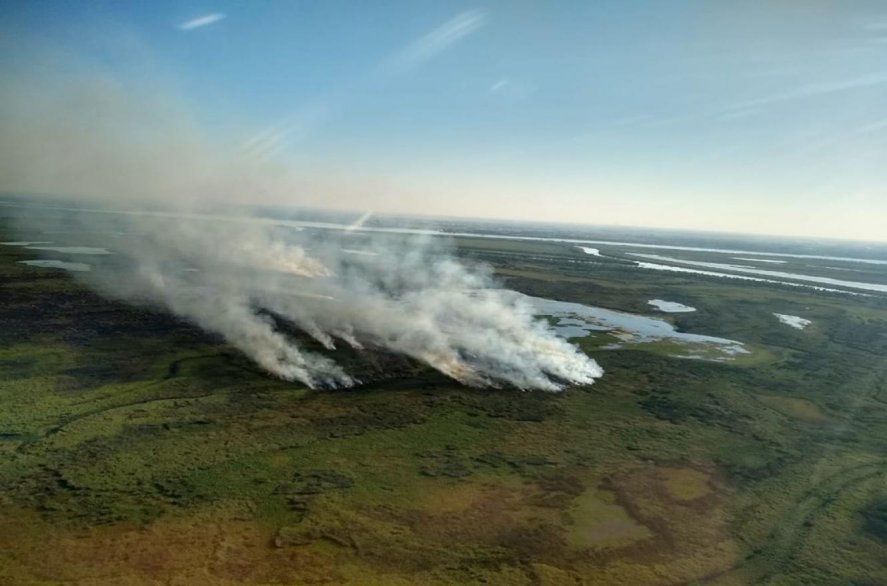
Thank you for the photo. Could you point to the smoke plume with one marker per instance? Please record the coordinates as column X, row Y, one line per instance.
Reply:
column 114, row 147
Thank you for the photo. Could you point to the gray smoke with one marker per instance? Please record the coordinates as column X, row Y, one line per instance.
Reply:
column 240, row 275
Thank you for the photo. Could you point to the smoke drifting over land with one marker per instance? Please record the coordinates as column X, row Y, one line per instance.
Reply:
column 250, row 279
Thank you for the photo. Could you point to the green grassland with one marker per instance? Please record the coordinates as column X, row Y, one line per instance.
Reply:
column 135, row 449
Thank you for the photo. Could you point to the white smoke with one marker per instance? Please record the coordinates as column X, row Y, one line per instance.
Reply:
column 245, row 277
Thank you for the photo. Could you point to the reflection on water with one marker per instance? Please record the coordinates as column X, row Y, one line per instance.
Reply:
column 766, row 260
column 575, row 320
column 72, row 249
column 765, row 272
column 670, row 306
column 675, row 269
column 799, row 323
column 57, row 264
column 591, row 251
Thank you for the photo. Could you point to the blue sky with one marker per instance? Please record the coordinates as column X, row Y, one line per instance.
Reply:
column 708, row 115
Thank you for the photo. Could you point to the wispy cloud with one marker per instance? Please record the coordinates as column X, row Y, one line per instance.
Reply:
column 511, row 89
column 845, row 138
column 876, row 126
column 436, row 42
column 275, row 138
column 812, row 90
column 201, row 21
column 879, row 26
column 500, row 85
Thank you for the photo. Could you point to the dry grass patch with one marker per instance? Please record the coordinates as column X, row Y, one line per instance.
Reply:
column 800, row 409
column 685, row 484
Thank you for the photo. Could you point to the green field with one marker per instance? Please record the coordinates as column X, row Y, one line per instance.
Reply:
column 136, row 449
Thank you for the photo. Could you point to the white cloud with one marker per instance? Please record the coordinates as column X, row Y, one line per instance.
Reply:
column 201, row 21
column 499, row 85
column 508, row 88
column 437, row 41
column 880, row 26
column 276, row 138
column 813, row 90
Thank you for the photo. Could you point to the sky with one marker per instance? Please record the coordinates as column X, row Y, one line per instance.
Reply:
column 764, row 118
